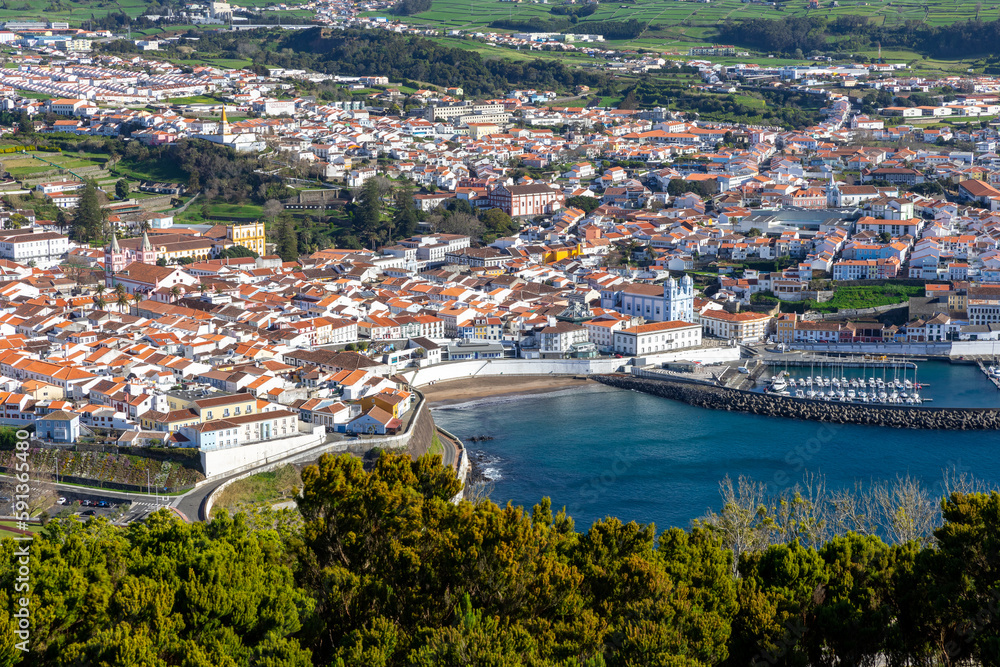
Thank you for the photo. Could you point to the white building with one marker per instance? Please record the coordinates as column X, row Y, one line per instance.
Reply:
column 657, row 337
column 743, row 327
column 275, row 107
column 557, row 340
column 242, row 430
column 674, row 300
column 31, row 245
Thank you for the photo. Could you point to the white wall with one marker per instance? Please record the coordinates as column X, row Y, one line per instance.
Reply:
column 494, row 367
column 708, row 356
column 235, row 459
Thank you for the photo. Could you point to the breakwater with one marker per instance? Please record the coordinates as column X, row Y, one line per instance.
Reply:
column 737, row 400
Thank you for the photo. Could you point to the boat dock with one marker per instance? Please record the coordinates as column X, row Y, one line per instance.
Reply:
column 992, row 378
column 858, row 361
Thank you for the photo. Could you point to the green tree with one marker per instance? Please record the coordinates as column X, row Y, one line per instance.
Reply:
column 217, row 593
column 288, row 242
column 121, row 189
column 89, row 217
column 952, row 595
column 61, row 220
column 497, row 224
column 404, row 219
column 237, row 251
column 367, row 217
column 754, row 232
column 25, row 125
column 586, row 204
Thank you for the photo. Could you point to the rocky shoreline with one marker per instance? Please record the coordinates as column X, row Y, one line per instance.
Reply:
column 737, row 400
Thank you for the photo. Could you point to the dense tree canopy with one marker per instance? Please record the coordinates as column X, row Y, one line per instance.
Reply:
column 359, row 53
column 381, row 568
column 814, row 33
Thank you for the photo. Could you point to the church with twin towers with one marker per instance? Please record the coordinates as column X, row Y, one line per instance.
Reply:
column 670, row 302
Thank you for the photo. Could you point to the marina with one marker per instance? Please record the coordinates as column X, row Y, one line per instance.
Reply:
column 992, row 372
column 878, row 380
column 661, row 460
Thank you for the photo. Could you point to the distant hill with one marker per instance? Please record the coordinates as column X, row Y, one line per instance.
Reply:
column 376, row 52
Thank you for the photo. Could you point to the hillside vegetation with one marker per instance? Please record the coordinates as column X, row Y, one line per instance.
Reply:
column 957, row 40
column 380, row 570
column 360, row 53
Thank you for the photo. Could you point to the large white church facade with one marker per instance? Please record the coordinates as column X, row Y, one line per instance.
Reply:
column 671, row 301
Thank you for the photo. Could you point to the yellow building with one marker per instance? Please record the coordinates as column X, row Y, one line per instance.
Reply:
column 151, row 420
column 785, row 327
column 250, row 235
column 958, row 301
column 42, row 391
column 559, row 254
column 187, row 409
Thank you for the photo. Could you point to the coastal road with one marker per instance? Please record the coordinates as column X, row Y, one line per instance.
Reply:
column 192, row 503
column 449, row 450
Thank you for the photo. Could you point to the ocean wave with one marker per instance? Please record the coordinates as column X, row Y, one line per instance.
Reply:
column 492, row 474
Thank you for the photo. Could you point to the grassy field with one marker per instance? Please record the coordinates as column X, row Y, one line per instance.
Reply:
column 24, row 165
column 194, row 213
column 9, row 528
column 196, row 99
column 675, row 26
column 851, row 298
column 163, row 171
column 267, row 487
column 76, row 12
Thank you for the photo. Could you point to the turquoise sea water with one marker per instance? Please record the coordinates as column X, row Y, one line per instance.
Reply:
column 601, row 451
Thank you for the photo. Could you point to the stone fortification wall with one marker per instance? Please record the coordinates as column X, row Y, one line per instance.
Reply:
column 720, row 398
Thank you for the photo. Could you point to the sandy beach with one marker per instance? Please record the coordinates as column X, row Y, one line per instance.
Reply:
column 460, row 391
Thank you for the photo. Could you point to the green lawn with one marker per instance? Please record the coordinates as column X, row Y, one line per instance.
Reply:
column 193, row 215
column 266, row 487
column 10, row 528
column 195, row 99
column 160, row 171
column 852, row 298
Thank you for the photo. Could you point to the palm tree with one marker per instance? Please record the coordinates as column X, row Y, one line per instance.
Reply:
column 138, row 298
column 100, row 289
column 100, row 302
column 122, row 301
column 120, row 289
column 175, row 292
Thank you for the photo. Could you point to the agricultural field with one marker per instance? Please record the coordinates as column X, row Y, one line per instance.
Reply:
column 678, row 25
column 25, row 165
column 76, row 12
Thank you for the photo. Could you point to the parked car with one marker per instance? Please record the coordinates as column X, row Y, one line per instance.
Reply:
column 61, row 501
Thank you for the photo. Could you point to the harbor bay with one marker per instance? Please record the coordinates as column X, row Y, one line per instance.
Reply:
column 601, row 451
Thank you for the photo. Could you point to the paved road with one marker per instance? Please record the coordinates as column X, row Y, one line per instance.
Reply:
column 191, row 503
column 449, row 451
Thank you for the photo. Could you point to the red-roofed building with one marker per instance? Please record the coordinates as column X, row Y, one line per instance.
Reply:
column 657, row 337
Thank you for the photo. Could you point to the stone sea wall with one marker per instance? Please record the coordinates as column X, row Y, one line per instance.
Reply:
column 735, row 400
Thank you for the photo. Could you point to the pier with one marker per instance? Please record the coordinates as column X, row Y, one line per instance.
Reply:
column 992, row 378
column 703, row 395
column 851, row 361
